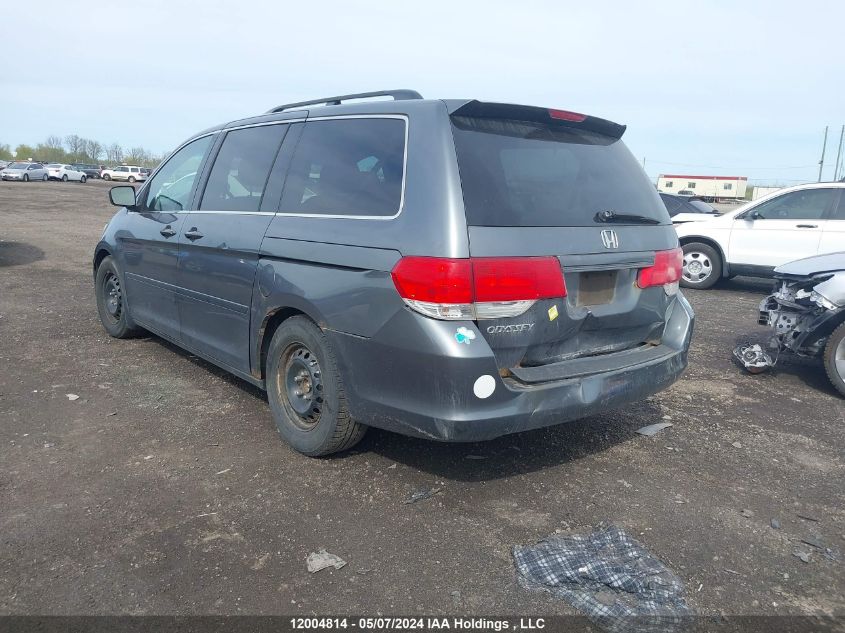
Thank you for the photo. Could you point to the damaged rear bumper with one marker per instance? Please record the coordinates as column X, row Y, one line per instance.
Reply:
column 427, row 385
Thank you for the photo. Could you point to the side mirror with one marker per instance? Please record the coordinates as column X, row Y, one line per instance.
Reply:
column 123, row 196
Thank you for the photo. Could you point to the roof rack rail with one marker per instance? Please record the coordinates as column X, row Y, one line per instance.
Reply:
column 398, row 95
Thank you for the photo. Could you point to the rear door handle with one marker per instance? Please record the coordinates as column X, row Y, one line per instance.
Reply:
column 168, row 231
column 193, row 234
column 807, row 226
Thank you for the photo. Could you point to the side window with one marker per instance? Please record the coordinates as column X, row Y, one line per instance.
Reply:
column 839, row 212
column 347, row 167
column 170, row 190
column 808, row 204
column 237, row 180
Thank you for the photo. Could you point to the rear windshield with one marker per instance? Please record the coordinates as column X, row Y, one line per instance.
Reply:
column 516, row 173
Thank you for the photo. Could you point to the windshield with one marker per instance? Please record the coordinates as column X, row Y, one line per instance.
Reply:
column 18, row 166
column 53, row 166
column 517, row 173
column 703, row 207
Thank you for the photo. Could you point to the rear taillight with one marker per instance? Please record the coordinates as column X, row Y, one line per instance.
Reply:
column 565, row 115
column 666, row 271
column 477, row 288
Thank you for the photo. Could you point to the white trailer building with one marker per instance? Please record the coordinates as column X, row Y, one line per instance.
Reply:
column 708, row 187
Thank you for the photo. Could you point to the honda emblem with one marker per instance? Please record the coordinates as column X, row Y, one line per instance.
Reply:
column 609, row 238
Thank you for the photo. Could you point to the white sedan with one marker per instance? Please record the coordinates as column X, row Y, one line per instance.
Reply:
column 57, row 171
column 786, row 225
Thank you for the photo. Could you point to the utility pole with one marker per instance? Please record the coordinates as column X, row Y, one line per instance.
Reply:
column 824, row 146
column 838, row 154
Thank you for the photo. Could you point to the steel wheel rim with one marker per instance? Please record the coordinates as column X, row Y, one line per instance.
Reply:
column 300, row 384
column 697, row 267
column 113, row 297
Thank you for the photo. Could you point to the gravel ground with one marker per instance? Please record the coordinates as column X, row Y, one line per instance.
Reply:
column 164, row 488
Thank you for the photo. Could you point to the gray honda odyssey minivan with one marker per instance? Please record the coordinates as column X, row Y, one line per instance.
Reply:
column 449, row 269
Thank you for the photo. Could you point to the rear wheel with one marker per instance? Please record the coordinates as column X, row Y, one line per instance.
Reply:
column 26, row 177
column 834, row 358
column 64, row 178
column 132, row 179
column 45, row 178
column 111, row 301
column 106, row 177
column 306, row 393
column 702, row 266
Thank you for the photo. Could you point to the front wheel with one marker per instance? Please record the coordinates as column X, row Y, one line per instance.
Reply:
column 111, row 301
column 702, row 266
column 106, row 177
column 26, row 177
column 132, row 179
column 83, row 179
column 305, row 391
column 834, row 358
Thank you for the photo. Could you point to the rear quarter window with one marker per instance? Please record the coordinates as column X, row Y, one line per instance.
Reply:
column 517, row 173
column 349, row 167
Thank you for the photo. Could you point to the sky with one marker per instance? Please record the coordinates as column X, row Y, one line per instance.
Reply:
column 710, row 87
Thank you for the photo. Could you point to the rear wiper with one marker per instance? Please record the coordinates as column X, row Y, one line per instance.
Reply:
column 612, row 216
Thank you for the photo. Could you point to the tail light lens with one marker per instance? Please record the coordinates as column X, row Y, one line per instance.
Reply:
column 666, row 271
column 477, row 288
column 565, row 115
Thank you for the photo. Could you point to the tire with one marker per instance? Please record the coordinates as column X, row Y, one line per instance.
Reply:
column 64, row 178
column 702, row 266
column 106, row 177
column 316, row 422
column 111, row 302
column 83, row 179
column 45, row 178
column 26, row 177
column 132, row 179
column 834, row 358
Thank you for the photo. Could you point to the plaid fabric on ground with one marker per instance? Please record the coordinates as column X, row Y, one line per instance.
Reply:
column 609, row 576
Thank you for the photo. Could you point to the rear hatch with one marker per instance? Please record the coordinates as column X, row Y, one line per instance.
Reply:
column 548, row 183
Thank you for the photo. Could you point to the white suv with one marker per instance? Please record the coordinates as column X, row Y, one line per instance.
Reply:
column 784, row 226
column 130, row 173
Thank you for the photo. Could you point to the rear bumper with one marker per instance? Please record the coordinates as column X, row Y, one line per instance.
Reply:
column 424, row 383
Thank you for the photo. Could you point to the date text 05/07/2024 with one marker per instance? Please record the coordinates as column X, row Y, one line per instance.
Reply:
column 417, row 624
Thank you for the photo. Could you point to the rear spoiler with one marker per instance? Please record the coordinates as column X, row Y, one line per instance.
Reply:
column 533, row 114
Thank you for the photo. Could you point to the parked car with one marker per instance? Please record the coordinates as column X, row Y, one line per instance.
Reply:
column 57, row 171
column 91, row 171
column 788, row 224
column 24, row 171
column 3, row 164
column 682, row 209
column 688, row 193
column 130, row 173
column 453, row 270
column 807, row 315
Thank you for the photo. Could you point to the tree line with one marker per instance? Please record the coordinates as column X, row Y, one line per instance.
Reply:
column 76, row 149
